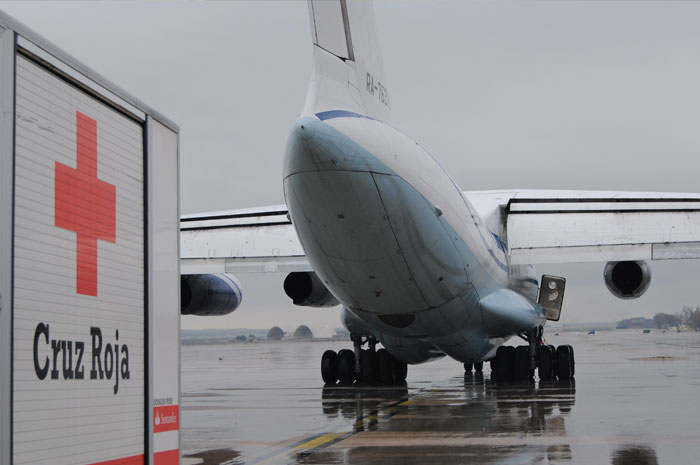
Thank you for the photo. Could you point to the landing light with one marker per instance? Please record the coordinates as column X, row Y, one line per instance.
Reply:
column 552, row 295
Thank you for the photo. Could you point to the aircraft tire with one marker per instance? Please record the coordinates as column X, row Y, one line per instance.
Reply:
column 479, row 367
column 504, row 363
column 329, row 367
column 468, row 367
column 400, row 370
column 368, row 366
column 573, row 361
column 545, row 363
column 511, row 355
column 565, row 362
column 346, row 366
column 385, row 372
column 554, row 360
column 521, row 363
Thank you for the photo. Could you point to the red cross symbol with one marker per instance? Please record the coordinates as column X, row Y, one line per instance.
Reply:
column 85, row 204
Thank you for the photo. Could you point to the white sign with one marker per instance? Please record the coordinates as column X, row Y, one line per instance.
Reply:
column 79, row 283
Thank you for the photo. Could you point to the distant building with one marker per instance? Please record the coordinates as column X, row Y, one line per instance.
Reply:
column 275, row 334
column 303, row 332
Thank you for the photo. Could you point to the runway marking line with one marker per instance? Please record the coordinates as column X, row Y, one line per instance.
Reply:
column 387, row 410
column 319, row 441
column 308, row 446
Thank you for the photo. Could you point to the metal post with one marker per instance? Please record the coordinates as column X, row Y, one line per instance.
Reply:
column 7, row 120
column 357, row 347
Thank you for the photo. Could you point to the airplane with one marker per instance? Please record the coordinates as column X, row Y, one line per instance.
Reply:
column 373, row 223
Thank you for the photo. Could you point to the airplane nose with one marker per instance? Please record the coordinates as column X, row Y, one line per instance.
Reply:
column 314, row 145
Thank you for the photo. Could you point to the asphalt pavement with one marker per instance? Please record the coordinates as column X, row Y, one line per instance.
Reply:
column 634, row 400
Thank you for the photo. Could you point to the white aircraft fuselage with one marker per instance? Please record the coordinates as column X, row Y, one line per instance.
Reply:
column 394, row 239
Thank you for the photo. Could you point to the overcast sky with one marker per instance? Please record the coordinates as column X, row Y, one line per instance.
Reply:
column 551, row 95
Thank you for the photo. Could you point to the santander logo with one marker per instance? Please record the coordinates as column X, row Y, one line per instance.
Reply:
column 165, row 418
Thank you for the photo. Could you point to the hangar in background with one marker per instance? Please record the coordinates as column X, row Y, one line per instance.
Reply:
column 89, row 264
column 303, row 332
column 275, row 334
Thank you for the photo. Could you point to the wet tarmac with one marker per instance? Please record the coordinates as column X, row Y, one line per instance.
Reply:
column 635, row 400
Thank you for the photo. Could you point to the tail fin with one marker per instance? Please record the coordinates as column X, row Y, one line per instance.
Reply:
column 348, row 73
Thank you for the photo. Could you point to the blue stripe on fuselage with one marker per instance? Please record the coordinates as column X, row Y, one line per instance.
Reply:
column 324, row 115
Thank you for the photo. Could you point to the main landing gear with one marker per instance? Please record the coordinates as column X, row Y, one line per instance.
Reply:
column 362, row 366
column 478, row 367
column 519, row 363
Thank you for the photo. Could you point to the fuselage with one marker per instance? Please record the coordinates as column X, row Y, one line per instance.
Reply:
column 392, row 236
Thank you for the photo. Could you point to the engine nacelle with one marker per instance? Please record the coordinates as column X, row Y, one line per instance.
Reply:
column 209, row 294
column 306, row 290
column 627, row 280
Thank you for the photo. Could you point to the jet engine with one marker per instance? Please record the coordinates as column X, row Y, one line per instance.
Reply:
column 627, row 280
column 209, row 294
column 306, row 290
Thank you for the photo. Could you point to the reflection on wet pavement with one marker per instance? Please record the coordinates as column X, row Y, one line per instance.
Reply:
column 634, row 455
column 212, row 456
column 476, row 422
column 632, row 403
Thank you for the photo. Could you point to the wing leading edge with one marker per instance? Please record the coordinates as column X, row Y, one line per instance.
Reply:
column 591, row 226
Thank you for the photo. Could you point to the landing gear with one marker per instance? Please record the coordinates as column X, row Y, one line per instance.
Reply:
column 519, row 363
column 478, row 367
column 346, row 367
column 329, row 367
column 400, row 371
column 565, row 362
column 385, row 372
column 504, row 361
column 366, row 366
column 546, row 358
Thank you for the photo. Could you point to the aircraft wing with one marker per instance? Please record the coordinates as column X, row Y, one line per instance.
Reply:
column 588, row 226
column 253, row 240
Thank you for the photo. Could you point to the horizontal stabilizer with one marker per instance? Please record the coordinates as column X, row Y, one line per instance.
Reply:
column 249, row 240
column 580, row 230
column 592, row 226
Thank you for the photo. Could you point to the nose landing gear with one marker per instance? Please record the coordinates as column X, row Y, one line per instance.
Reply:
column 362, row 366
